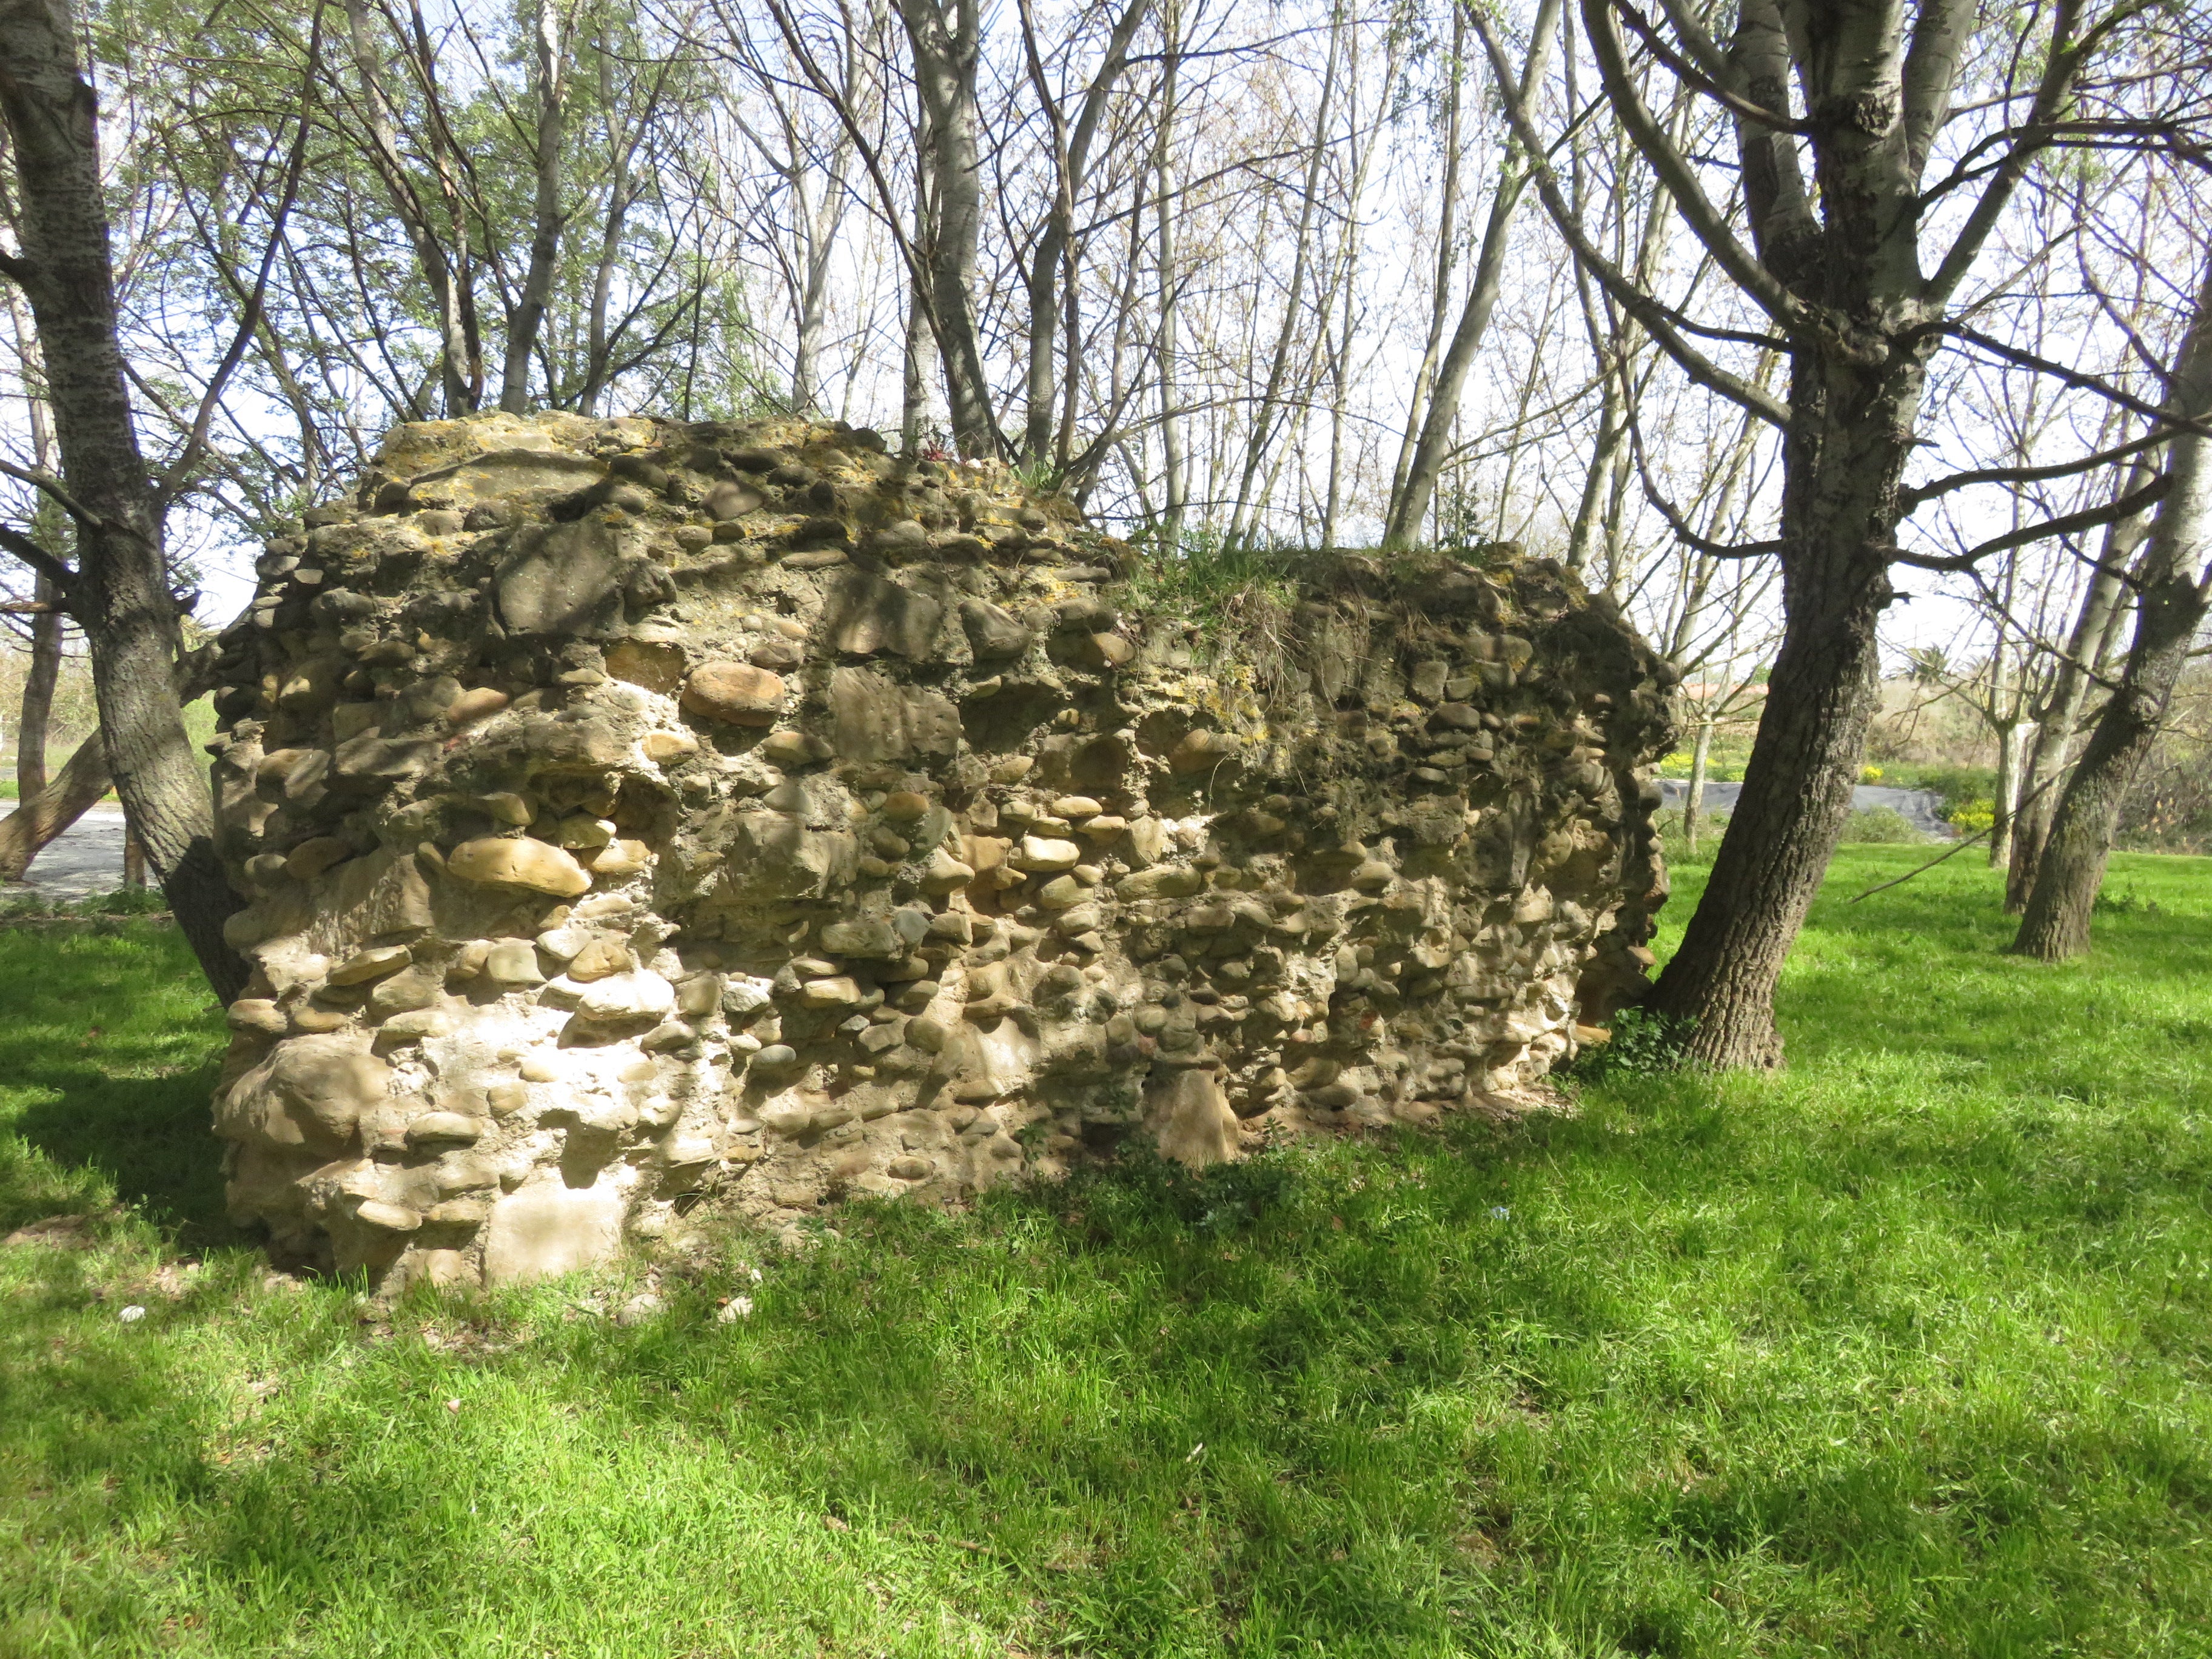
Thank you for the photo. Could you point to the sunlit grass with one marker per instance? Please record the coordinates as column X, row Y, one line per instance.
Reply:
column 1902, row 1350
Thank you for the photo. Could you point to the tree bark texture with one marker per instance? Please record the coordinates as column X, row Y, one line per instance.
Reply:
column 460, row 365
column 120, row 593
column 551, row 83
column 1836, row 266
column 35, row 711
column 67, row 797
column 946, row 40
column 1851, row 431
column 1409, row 502
column 2096, row 629
column 1071, row 165
column 2174, row 587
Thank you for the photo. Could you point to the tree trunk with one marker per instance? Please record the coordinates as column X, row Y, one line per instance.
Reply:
column 1411, row 503
column 459, row 364
column 1447, row 259
column 1852, row 429
column 37, row 820
column 1070, row 159
column 2005, row 805
column 120, row 594
column 2174, row 584
column 550, row 84
column 2095, row 629
column 1259, row 435
column 945, row 53
column 1173, row 486
column 2071, row 869
column 1694, row 803
column 914, row 383
column 41, row 675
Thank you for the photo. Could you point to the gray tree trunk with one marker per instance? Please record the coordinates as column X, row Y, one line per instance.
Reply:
column 1411, row 503
column 460, row 364
column 37, row 819
column 120, row 594
column 549, row 82
column 1174, row 485
column 2174, row 585
column 41, row 674
column 1071, row 164
column 2095, row 634
column 946, row 39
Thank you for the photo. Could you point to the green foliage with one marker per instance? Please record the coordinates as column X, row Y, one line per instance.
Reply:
column 1209, row 579
column 1725, row 764
column 1643, row 1043
column 1673, row 844
column 1956, row 786
column 29, row 903
column 1900, row 1350
column 2127, row 903
column 1972, row 817
column 1880, row 825
column 1234, row 599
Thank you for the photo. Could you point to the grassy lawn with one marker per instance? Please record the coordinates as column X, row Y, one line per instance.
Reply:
column 1903, row 1351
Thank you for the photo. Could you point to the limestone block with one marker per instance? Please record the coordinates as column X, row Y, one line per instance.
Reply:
column 656, row 665
column 868, row 614
column 372, row 963
column 520, row 862
column 1161, row 881
column 620, row 858
column 545, row 1228
column 309, row 1092
column 776, row 855
column 1042, row 853
column 734, row 692
column 318, row 854
column 838, row 991
column 512, row 962
column 382, row 894
column 875, row 718
column 434, row 1127
column 471, row 707
column 561, row 579
column 994, row 634
column 869, row 937
column 639, row 995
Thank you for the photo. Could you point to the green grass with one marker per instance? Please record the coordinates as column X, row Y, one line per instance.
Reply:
column 1902, row 1350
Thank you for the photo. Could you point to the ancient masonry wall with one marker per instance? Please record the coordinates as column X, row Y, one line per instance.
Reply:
column 635, row 813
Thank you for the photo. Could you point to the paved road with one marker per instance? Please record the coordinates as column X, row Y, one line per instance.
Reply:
column 1921, row 808
column 87, row 857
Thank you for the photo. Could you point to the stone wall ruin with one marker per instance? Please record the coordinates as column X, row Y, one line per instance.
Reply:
column 635, row 812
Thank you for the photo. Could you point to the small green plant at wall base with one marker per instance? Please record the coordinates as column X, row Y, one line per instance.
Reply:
column 1643, row 1043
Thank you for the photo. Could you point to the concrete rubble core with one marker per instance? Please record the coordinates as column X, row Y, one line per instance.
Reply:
column 636, row 813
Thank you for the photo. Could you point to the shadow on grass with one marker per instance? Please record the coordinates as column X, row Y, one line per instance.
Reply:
column 1890, row 1353
column 108, row 1057
column 1922, row 970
